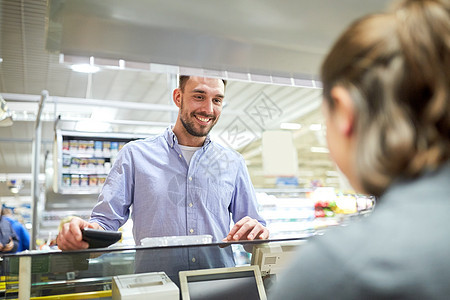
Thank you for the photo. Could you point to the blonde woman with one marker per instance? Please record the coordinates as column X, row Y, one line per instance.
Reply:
column 387, row 108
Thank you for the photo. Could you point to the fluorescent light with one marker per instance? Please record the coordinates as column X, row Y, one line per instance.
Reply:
column 15, row 186
column 85, row 68
column 14, row 190
column 315, row 127
column 290, row 126
column 1, row 60
column 5, row 114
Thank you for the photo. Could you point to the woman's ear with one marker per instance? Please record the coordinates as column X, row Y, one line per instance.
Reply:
column 177, row 97
column 343, row 111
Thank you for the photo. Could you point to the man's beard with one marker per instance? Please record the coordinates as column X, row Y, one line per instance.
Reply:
column 190, row 126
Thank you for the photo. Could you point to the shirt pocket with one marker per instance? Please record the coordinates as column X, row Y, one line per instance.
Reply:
column 218, row 198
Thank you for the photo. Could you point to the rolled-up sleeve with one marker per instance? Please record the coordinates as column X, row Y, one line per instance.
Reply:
column 113, row 207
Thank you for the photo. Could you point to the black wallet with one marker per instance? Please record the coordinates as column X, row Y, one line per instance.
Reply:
column 97, row 238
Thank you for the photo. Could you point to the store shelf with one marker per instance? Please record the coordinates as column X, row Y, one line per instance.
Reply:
column 288, row 213
column 82, row 160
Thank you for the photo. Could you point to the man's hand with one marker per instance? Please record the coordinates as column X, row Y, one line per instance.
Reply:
column 247, row 229
column 70, row 236
column 8, row 247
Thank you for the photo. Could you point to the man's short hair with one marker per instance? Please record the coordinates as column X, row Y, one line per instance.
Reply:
column 184, row 78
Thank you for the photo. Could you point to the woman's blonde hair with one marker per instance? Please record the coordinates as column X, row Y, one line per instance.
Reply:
column 396, row 67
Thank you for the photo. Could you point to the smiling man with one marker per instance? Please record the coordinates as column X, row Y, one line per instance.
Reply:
column 200, row 101
column 179, row 183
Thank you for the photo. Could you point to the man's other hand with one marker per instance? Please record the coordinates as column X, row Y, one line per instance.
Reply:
column 247, row 229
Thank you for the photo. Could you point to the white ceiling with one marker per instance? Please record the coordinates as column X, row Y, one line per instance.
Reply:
column 255, row 44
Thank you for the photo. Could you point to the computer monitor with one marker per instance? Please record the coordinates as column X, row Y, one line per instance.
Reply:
column 236, row 283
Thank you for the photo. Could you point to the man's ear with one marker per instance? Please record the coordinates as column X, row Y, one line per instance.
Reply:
column 344, row 111
column 177, row 97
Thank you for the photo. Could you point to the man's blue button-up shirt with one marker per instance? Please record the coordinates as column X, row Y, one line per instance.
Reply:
column 170, row 198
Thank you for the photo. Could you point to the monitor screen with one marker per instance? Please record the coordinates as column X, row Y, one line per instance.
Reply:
column 222, row 283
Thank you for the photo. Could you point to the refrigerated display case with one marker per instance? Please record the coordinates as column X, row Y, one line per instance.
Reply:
column 297, row 212
column 82, row 160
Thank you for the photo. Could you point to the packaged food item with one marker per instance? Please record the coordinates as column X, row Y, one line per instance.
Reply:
column 74, row 180
column 75, row 164
column 121, row 144
column 92, row 165
column 65, row 145
column 114, row 148
column 107, row 167
column 73, row 146
column 93, row 180
column 101, row 179
column 98, row 148
column 100, row 166
column 82, row 146
column 66, row 180
column 67, row 160
column 84, row 180
column 83, row 167
column 90, row 147
column 106, row 149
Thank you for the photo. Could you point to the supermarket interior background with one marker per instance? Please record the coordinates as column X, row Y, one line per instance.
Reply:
column 270, row 51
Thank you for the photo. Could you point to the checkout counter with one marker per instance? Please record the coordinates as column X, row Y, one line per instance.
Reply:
column 128, row 272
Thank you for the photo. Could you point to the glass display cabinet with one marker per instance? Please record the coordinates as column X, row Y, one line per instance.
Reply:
column 93, row 273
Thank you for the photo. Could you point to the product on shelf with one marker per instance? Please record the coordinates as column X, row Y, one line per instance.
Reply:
column 98, row 148
column 84, row 180
column 73, row 146
column 90, row 147
column 82, row 146
column 101, row 179
column 106, row 149
column 75, row 164
column 67, row 160
column 92, row 165
column 82, row 161
column 66, row 180
column 325, row 209
column 83, row 165
column 100, row 166
column 114, row 148
column 93, row 180
column 74, row 180
column 65, row 146
column 346, row 204
column 107, row 167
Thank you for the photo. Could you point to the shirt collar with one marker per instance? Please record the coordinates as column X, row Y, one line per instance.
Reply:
column 171, row 138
